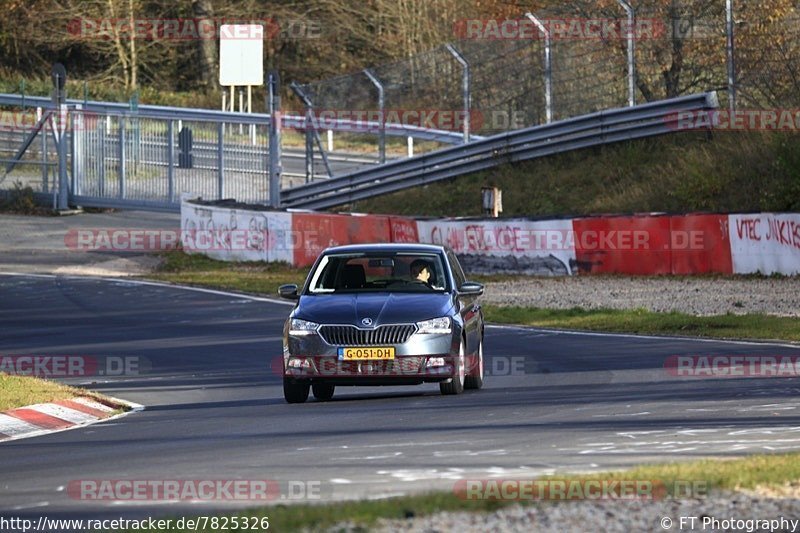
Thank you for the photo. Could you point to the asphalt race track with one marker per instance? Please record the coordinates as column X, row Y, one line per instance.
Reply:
column 214, row 409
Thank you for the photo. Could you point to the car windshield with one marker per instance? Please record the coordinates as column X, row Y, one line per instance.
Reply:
column 379, row 272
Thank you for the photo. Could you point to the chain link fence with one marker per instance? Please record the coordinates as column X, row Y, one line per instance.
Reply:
column 493, row 76
column 679, row 48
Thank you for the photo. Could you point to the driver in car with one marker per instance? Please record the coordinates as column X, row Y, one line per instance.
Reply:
column 421, row 271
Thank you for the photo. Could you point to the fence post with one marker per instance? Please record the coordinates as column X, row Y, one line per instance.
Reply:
column 75, row 127
column 548, row 69
column 631, row 52
column 171, row 160
column 274, row 109
column 122, row 154
column 465, row 87
column 309, row 129
column 59, row 78
column 729, row 29
column 101, row 168
column 220, row 161
column 43, row 135
column 382, row 109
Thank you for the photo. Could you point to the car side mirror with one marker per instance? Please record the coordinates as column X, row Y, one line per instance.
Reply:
column 470, row 288
column 288, row 291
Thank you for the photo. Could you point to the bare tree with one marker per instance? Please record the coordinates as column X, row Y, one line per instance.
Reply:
column 207, row 48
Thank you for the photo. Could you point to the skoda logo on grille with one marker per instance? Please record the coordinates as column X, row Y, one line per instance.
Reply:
column 366, row 321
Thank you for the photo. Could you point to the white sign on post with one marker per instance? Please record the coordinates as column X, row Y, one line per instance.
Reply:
column 241, row 54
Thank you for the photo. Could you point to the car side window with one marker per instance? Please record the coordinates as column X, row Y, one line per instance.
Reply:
column 455, row 267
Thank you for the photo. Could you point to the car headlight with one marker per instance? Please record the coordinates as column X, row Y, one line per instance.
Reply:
column 435, row 325
column 302, row 327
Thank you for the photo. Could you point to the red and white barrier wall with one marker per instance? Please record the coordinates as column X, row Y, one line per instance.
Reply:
column 297, row 238
column 643, row 244
column 765, row 242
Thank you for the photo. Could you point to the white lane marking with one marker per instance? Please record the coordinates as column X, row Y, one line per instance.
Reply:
column 340, row 481
column 469, row 453
column 154, row 284
column 632, row 336
column 710, row 440
column 385, row 495
column 423, row 475
column 496, row 326
column 643, row 413
column 31, row 506
column 14, row 426
column 394, row 444
column 63, row 413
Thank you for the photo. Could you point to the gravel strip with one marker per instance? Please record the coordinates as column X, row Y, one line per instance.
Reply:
column 663, row 515
column 692, row 295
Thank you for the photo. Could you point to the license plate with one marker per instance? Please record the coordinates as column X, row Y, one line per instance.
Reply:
column 371, row 353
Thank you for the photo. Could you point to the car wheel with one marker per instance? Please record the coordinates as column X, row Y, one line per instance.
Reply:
column 295, row 391
column 322, row 391
column 475, row 380
column 456, row 385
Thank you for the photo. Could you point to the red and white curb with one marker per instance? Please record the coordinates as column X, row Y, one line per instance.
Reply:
column 60, row 415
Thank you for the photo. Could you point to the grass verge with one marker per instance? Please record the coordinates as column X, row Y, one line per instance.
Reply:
column 251, row 277
column 727, row 172
column 642, row 321
column 264, row 278
column 705, row 475
column 20, row 391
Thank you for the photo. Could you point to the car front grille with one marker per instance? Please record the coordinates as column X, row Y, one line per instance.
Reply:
column 352, row 336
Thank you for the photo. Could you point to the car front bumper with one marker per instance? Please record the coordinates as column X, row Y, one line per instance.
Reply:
column 423, row 358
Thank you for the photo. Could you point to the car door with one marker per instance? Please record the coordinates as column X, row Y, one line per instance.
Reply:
column 468, row 305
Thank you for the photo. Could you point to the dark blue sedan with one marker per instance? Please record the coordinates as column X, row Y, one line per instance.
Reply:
column 383, row 314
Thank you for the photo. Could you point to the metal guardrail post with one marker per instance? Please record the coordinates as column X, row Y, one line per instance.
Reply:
column 171, row 161
column 45, row 174
column 122, row 155
column 548, row 68
column 274, row 109
column 382, row 109
column 59, row 79
column 74, row 146
column 220, row 161
column 465, row 87
column 729, row 52
column 101, row 171
column 309, row 128
column 63, row 184
column 631, row 52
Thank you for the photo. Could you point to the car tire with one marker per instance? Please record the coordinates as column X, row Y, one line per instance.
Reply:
column 323, row 391
column 456, row 384
column 475, row 380
column 295, row 391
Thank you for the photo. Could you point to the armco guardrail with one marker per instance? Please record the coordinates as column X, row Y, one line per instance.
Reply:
column 603, row 127
column 210, row 115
